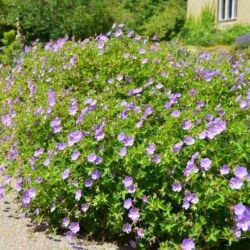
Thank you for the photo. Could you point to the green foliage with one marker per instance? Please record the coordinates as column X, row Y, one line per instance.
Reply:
column 8, row 37
column 49, row 20
column 229, row 35
column 166, row 21
column 52, row 19
column 12, row 47
column 7, row 20
column 200, row 30
column 108, row 83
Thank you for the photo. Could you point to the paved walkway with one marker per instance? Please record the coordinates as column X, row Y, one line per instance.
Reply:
column 18, row 233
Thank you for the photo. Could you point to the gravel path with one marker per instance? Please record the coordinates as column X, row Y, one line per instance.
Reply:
column 18, row 233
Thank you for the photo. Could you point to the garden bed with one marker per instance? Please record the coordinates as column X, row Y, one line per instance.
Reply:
column 129, row 139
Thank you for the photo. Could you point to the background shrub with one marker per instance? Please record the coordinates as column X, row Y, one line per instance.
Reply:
column 243, row 41
column 50, row 20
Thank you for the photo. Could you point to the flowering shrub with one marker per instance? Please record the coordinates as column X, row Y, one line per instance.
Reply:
column 243, row 40
column 130, row 139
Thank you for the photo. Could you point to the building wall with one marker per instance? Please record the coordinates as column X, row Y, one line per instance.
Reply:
column 195, row 7
column 243, row 12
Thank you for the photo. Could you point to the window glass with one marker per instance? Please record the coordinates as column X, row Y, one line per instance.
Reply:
column 230, row 9
column 227, row 10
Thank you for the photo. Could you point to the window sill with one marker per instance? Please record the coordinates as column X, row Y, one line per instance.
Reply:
column 226, row 20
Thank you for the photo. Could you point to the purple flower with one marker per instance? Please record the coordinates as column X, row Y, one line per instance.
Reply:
column 7, row 179
column 82, row 115
column 127, row 203
column 78, row 194
column 189, row 140
column 149, row 110
column 6, row 120
column 240, row 172
column 192, row 92
column 133, row 244
column 46, row 162
column 191, row 197
column 140, row 232
column 156, row 159
column 224, row 170
column 142, row 51
column 144, row 199
column 206, row 164
column 176, row 187
column 56, row 125
column 195, row 156
column 123, row 152
column 18, row 188
column 190, row 168
column 187, row 124
column 39, row 179
column 131, row 188
column 119, row 77
column 65, row 174
column 88, row 182
column 236, row 183
column 168, row 105
column 38, row 152
column 128, row 141
column 203, row 134
column 177, row 147
column 61, row 146
column 1, row 191
column 237, row 232
column 159, row 85
column 75, row 155
column 31, row 192
column 118, row 33
column 73, row 60
column 92, row 157
column 127, row 181
column 130, row 33
column 187, row 244
column 69, row 235
column 126, row 55
column 51, row 97
column 74, row 227
column 25, row 200
column 239, row 209
column 73, row 107
column 99, row 134
column 28, row 195
column 65, row 222
column 96, row 174
column 176, row 113
column 98, row 160
column 127, row 228
column 150, row 149
column 215, row 128
column 85, row 207
column 121, row 136
column 134, row 214
column 75, row 137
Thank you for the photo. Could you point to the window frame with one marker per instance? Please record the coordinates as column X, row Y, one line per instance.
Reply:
column 233, row 10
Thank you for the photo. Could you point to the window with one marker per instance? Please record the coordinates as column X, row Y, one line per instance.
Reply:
column 227, row 10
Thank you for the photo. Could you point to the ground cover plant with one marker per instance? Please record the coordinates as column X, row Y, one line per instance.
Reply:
column 130, row 139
